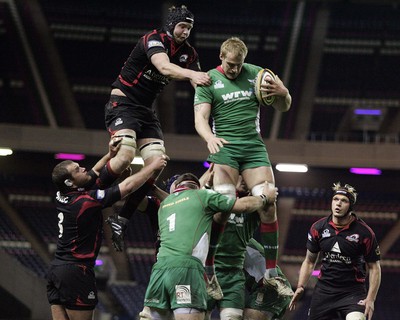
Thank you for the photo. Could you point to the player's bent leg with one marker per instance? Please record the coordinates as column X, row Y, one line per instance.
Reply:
column 226, row 189
column 80, row 314
column 189, row 314
column 58, row 312
column 151, row 147
column 355, row 315
column 208, row 315
column 145, row 314
column 126, row 152
column 231, row 314
column 252, row 314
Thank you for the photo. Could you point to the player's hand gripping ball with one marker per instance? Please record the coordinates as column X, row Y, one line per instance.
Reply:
column 261, row 95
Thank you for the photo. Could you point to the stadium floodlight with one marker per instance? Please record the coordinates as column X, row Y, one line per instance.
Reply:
column 5, row 152
column 291, row 167
column 367, row 171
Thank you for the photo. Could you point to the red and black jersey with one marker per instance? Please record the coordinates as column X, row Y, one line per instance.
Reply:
column 139, row 79
column 345, row 251
column 80, row 223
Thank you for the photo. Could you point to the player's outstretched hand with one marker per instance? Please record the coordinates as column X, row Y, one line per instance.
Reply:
column 160, row 162
column 296, row 297
column 201, row 78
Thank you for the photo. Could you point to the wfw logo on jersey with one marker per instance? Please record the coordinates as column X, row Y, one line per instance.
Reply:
column 237, row 95
column 183, row 294
column 118, row 122
column 218, row 84
column 91, row 295
column 183, row 58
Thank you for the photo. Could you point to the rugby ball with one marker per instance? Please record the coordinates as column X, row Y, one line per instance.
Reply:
column 261, row 95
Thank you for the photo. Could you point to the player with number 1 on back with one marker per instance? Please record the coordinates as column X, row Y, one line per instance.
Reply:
column 235, row 144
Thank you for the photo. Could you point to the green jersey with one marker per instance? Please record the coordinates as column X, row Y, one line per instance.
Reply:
column 185, row 219
column 235, row 108
column 237, row 233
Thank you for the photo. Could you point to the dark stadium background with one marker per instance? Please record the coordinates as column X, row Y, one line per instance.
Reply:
column 58, row 59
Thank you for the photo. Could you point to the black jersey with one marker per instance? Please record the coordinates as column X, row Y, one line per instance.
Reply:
column 80, row 223
column 345, row 252
column 139, row 79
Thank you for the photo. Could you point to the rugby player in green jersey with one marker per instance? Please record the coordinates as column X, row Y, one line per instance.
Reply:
column 177, row 284
column 235, row 144
column 232, row 257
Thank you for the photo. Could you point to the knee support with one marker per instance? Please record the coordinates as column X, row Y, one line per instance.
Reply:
column 227, row 189
column 151, row 149
column 127, row 140
column 257, row 190
column 355, row 315
column 231, row 314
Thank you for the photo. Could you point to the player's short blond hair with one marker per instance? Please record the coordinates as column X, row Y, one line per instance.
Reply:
column 234, row 45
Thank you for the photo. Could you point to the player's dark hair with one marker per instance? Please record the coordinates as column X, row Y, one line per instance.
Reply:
column 60, row 174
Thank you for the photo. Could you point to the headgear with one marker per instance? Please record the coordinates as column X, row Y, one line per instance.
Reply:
column 176, row 15
column 188, row 177
column 168, row 183
column 347, row 191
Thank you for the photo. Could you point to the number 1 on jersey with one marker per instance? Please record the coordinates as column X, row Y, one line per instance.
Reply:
column 171, row 220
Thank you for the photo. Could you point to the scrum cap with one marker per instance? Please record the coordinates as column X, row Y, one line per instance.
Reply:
column 168, row 183
column 187, row 178
column 347, row 190
column 176, row 15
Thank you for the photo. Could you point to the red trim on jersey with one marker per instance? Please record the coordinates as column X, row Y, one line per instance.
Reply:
column 219, row 68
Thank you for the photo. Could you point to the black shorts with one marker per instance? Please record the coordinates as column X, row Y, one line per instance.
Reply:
column 122, row 113
column 332, row 305
column 72, row 286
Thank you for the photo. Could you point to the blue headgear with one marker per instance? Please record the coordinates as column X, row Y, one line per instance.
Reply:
column 168, row 183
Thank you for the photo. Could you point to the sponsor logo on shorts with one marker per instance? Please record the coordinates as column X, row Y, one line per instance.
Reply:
column 118, row 122
column 100, row 194
column 183, row 58
column 154, row 43
column 260, row 297
column 183, row 294
column 91, row 295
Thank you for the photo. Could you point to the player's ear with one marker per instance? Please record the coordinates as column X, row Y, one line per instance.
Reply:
column 68, row 182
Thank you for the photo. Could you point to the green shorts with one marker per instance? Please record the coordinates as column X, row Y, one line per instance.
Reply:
column 242, row 155
column 232, row 285
column 177, row 282
column 263, row 299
